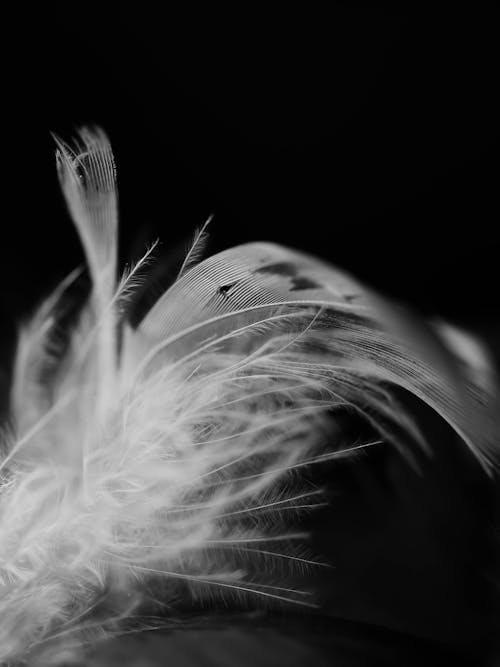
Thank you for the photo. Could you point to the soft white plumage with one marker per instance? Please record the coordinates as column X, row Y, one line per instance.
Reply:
column 168, row 453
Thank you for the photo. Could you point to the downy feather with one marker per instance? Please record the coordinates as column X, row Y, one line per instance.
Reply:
column 166, row 457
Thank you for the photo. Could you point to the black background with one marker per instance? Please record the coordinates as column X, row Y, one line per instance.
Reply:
column 368, row 136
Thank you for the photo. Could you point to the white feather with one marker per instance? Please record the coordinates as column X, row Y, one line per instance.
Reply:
column 169, row 453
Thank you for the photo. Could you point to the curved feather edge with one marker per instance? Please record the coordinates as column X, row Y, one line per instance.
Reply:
column 390, row 342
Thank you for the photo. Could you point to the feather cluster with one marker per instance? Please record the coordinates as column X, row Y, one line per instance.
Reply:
column 149, row 466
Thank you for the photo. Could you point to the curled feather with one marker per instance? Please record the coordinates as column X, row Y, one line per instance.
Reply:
column 165, row 457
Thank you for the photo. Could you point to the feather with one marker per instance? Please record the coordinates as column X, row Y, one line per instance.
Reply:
column 196, row 248
column 155, row 465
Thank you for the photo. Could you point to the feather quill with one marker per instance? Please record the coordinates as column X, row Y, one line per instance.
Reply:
column 164, row 457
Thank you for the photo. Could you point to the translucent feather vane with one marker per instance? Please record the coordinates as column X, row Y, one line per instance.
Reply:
column 152, row 466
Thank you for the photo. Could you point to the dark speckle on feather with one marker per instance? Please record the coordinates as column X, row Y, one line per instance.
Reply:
column 224, row 289
column 302, row 282
column 280, row 268
column 289, row 270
